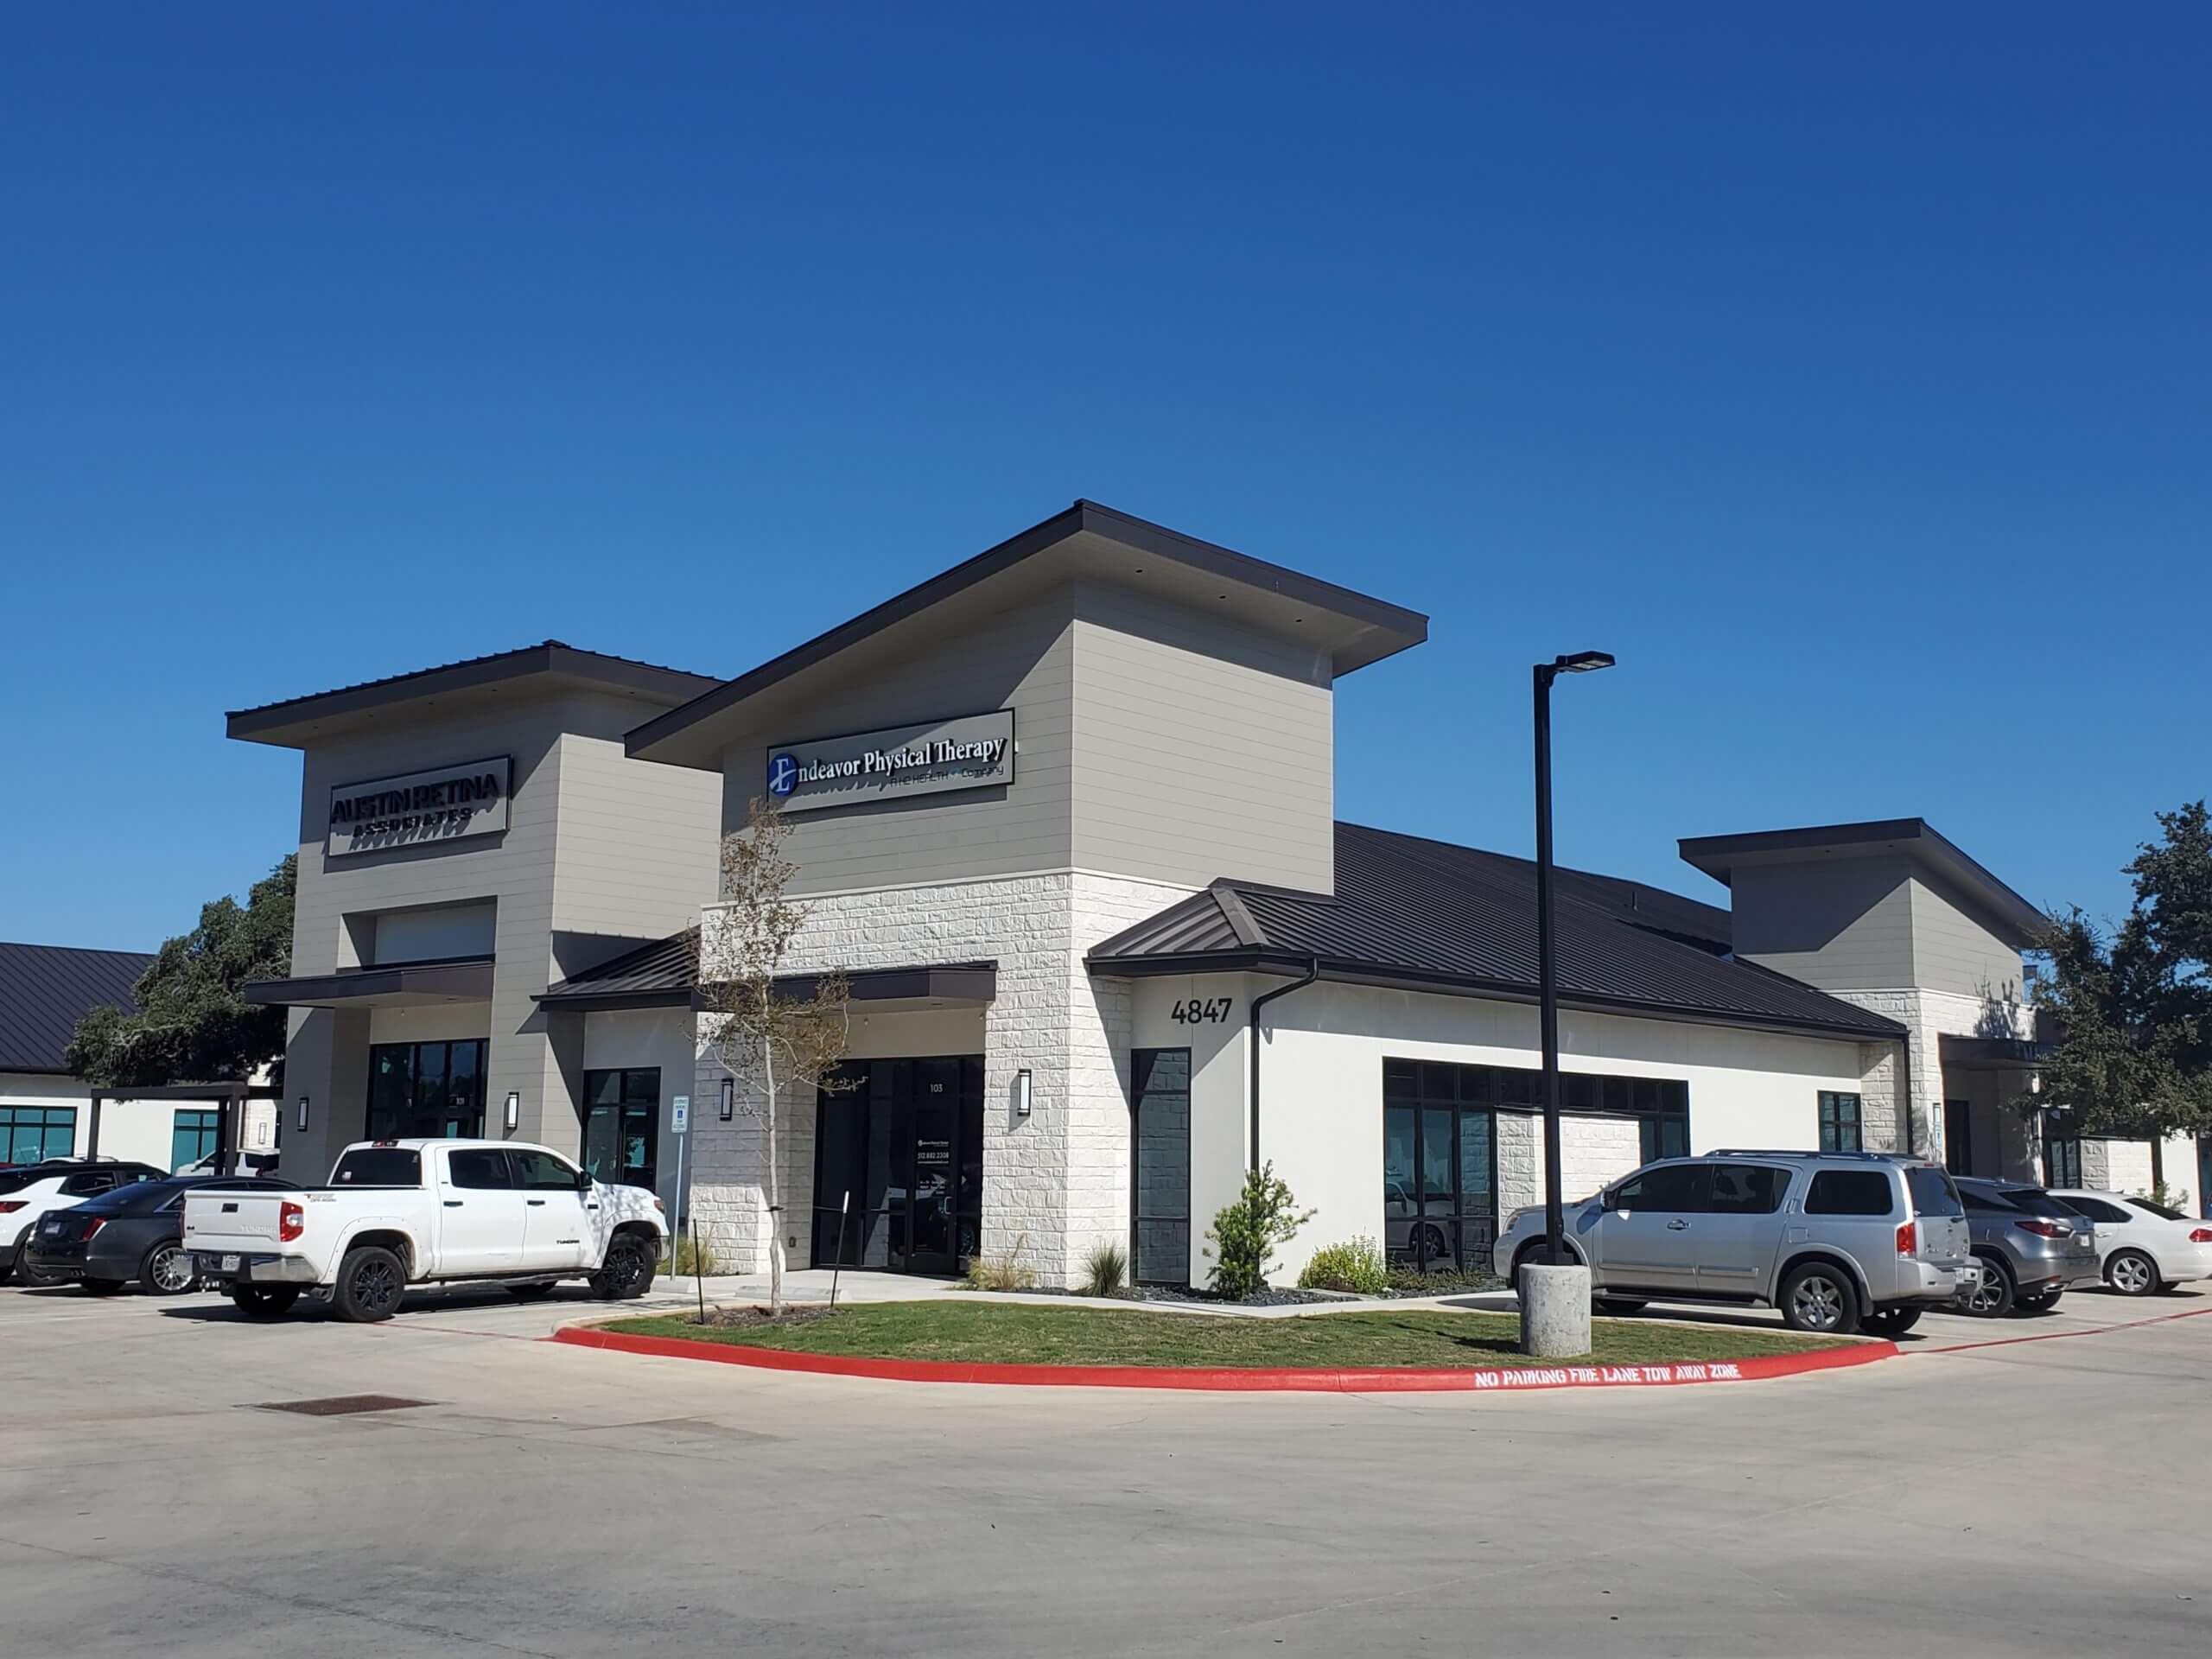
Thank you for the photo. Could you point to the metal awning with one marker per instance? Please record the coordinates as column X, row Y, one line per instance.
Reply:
column 1990, row 1053
column 417, row 985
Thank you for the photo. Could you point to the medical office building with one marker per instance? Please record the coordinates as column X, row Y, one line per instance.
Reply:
column 1064, row 817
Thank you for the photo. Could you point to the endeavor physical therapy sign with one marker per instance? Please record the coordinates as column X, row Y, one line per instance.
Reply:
column 967, row 752
column 446, row 803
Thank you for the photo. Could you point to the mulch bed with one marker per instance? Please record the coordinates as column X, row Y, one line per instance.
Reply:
column 746, row 1318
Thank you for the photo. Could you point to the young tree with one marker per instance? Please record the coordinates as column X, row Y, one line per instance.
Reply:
column 2135, row 1009
column 771, row 1041
column 193, row 1023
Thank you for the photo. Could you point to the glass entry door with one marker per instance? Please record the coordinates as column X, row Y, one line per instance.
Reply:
column 899, row 1165
column 622, row 1126
column 426, row 1090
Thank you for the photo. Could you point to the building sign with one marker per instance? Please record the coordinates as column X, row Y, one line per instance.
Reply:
column 446, row 803
column 967, row 752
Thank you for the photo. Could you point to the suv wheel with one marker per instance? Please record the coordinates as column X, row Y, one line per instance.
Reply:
column 2131, row 1273
column 371, row 1281
column 1992, row 1298
column 1818, row 1297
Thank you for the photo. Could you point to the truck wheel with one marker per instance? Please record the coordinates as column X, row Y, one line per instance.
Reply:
column 168, row 1270
column 370, row 1282
column 264, row 1302
column 628, row 1272
column 1818, row 1297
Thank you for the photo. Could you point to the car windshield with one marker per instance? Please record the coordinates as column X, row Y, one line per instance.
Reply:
column 1932, row 1192
column 2157, row 1209
column 378, row 1166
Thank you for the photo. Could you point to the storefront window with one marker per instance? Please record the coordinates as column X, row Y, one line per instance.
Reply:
column 622, row 1126
column 2062, row 1151
column 1440, row 1148
column 1839, row 1128
column 31, row 1135
column 426, row 1090
column 192, row 1137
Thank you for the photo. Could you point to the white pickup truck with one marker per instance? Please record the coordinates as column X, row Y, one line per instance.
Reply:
column 416, row 1212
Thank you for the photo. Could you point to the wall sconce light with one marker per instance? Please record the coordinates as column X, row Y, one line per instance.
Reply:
column 514, row 1111
column 729, row 1098
column 303, row 1113
column 1022, row 1089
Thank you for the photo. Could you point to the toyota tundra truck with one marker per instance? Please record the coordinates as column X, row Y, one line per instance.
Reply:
column 400, row 1213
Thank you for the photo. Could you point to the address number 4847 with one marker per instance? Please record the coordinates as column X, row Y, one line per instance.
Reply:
column 1201, row 1011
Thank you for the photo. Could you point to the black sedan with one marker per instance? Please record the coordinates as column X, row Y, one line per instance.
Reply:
column 133, row 1233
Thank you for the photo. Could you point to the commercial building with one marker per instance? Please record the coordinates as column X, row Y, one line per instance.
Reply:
column 1064, row 816
column 45, row 989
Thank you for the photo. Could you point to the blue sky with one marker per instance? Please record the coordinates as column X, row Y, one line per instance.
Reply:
column 1847, row 375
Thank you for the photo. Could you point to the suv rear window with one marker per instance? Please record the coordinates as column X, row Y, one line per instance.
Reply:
column 1932, row 1192
column 2037, row 1202
column 378, row 1166
column 1849, row 1192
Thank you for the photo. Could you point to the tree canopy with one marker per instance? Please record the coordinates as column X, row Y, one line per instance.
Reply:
column 192, row 1023
column 2134, row 1003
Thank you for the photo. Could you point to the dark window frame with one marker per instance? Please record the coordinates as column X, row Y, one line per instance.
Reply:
column 650, row 1096
column 411, row 1129
column 1142, row 1063
column 1837, row 1124
column 2062, row 1155
column 203, row 1130
column 16, row 1124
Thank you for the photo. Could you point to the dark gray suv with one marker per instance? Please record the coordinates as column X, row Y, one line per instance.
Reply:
column 2031, row 1247
column 1838, row 1240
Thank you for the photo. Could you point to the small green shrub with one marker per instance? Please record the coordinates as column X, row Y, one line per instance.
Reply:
column 1412, row 1281
column 1106, row 1270
column 1246, row 1235
column 695, row 1255
column 1006, row 1272
column 1356, row 1265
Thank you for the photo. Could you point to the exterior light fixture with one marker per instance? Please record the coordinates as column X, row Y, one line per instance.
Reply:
column 729, row 1098
column 514, row 1110
column 1583, row 662
column 1022, row 1090
column 303, row 1113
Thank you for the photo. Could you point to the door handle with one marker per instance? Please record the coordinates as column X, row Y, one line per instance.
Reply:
column 453, row 1203
column 1678, row 1226
column 537, row 1203
column 591, row 1206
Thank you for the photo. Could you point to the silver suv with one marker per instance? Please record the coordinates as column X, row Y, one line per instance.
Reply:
column 1838, row 1240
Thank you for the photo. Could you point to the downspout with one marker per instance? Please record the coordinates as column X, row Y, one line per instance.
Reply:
column 1312, row 972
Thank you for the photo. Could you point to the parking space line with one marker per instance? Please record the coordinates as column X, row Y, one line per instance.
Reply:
column 2056, row 1336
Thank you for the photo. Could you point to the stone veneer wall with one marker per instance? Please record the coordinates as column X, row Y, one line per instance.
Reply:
column 1928, row 1016
column 1593, row 1151
column 1055, row 1184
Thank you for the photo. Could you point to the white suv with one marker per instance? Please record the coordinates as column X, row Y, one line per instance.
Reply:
column 30, row 1192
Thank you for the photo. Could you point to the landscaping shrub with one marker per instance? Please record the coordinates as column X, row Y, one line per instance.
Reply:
column 1246, row 1235
column 1356, row 1265
column 695, row 1255
column 1106, row 1270
column 1003, row 1272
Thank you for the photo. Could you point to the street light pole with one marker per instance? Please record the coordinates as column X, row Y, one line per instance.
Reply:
column 1547, row 954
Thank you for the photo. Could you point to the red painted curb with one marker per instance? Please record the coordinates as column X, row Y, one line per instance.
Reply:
column 1405, row 1380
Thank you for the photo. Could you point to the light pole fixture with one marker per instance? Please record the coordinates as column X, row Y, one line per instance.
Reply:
column 729, row 1098
column 303, row 1113
column 1582, row 662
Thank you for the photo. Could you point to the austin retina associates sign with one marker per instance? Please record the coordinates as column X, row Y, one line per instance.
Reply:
column 933, row 757
column 444, row 803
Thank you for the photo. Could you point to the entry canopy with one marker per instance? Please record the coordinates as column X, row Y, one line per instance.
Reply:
column 665, row 974
column 1086, row 542
column 419, row 985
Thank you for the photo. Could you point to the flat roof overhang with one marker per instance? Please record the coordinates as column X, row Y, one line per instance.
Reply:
column 419, row 985
column 1878, row 1029
column 1990, row 1053
column 1087, row 541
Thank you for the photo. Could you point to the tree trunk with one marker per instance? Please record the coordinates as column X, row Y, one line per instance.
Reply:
column 775, row 1188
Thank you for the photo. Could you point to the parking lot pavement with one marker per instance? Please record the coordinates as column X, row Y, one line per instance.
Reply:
column 2038, row 1497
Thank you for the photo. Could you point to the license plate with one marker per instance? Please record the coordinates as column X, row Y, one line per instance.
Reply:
column 230, row 1265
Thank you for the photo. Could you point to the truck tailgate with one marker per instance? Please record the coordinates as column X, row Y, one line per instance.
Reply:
column 235, row 1221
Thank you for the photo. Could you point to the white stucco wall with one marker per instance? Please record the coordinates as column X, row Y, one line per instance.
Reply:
column 653, row 1037
column 1321, row 1090
column 139, row 1131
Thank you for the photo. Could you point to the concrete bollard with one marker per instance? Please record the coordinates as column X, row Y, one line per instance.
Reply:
column 1555, row 1310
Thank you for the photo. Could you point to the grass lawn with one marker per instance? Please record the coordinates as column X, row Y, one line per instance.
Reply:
column 1020, row 1333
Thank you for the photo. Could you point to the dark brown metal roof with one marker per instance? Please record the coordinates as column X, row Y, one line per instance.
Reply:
column 1427, row 914
column 45, row 989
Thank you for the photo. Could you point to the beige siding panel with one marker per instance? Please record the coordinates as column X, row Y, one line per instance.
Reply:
column 1200, row 751
column 1021, row 659
column 1842, row 926
column 1953, row 952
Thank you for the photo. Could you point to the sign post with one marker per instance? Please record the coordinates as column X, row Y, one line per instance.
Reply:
column 679, row 1125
